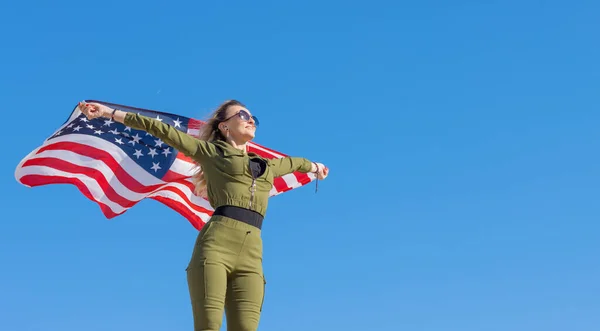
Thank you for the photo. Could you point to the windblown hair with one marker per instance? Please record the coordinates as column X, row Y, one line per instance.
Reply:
column 210, row 132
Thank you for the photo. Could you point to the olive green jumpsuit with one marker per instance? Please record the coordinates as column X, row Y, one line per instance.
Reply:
column 225, row 270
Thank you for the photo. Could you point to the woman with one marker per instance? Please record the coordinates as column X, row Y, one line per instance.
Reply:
column 225, row 270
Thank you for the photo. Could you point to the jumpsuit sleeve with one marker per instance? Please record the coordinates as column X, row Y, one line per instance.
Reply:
column 179, row 140
column 289, row 164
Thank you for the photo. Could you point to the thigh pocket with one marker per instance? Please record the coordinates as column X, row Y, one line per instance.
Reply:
column 207, row 280
column 263, row 295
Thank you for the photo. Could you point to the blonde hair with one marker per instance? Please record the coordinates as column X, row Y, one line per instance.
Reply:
column 209, row 131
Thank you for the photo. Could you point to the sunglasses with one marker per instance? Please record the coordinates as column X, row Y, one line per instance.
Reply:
column 244, row 116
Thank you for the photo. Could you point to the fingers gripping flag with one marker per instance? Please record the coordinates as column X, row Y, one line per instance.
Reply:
column 117, row 166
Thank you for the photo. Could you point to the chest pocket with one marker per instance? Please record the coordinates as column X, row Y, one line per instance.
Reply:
column 232, row 164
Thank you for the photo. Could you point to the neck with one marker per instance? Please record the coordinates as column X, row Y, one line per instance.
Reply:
column 241, row 145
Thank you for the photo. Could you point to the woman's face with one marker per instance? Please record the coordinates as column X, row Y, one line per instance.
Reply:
column 240, row 123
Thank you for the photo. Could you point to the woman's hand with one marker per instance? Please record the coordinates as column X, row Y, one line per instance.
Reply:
column 320, row 170
column 94, row 110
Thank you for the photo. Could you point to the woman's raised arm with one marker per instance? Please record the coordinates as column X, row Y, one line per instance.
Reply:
column 179, row 140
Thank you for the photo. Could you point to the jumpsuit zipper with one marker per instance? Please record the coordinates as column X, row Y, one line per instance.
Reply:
column 252, row 190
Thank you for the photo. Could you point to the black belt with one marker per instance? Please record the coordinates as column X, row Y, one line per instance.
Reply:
column 240, row 214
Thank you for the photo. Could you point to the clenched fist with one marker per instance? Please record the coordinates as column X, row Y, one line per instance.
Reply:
column 94, row 110
column 320, row 170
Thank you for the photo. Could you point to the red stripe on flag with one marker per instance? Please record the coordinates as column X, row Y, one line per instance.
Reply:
column 40, row 180
column 182, row 157
column 267, row 150
column 186, row 183
column 194, row 124
column 103, row 156
column 107, row 189
column 69, row 167
column 280, row 184
column 197, row 208
column 171, row 176
column 302, row 177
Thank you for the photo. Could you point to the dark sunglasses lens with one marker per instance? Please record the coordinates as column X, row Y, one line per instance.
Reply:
column 244, row 115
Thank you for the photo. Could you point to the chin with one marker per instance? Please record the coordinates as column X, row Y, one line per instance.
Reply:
column 249, row 135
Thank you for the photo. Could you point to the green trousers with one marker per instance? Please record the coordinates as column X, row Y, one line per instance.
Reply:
column 225, row 273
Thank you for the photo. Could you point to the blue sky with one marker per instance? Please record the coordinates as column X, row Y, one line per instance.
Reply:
column 462, row 139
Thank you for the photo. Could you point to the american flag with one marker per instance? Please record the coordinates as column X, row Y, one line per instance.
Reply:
column 117, row 166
